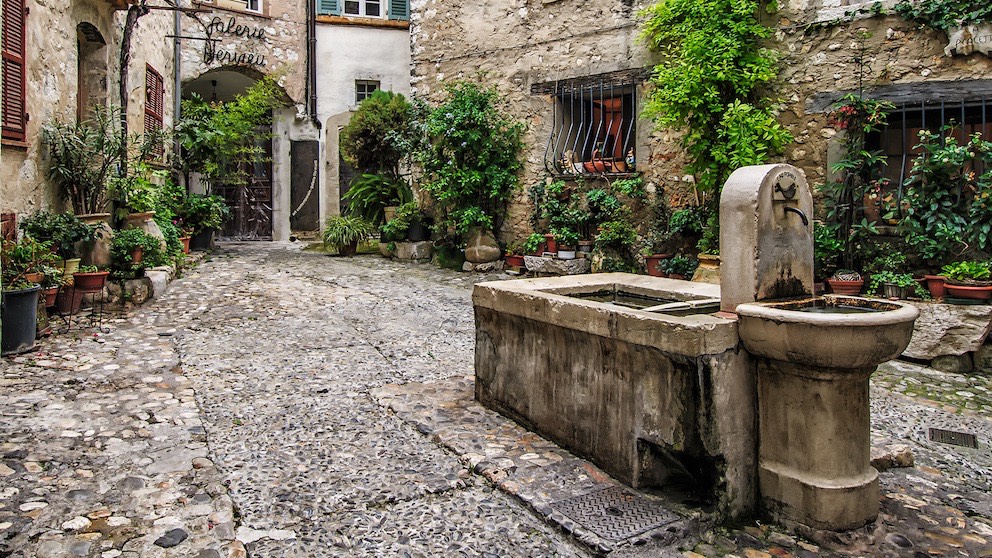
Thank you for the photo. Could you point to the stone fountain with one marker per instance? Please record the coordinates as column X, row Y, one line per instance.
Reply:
column 645, row 376
column 814, row 356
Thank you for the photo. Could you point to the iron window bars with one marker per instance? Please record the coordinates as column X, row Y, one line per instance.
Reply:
column 899, row 139
column 593, row 129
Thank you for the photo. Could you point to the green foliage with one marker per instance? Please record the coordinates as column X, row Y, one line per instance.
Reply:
column 885, row 257
column 943, row 14
column 679, row 265
column 64, row 230
column 565, row 237
column 124, row 243
column 630, row 187
column 85, row 155
column 948, row 210
column 397, row 228
column 859, row 171
column 685, row 221
column 615, row 235
column 23, row 257
column 197, row 213
column 604, row 206
column 223, row 140
column 902, row 280
column 707, row 85
column 967, row 271
column 532, row 243
column 343, row 230
column 137, row 192
column 373, row 140
column 470, row 158
column 370, row 194
column 826, row 250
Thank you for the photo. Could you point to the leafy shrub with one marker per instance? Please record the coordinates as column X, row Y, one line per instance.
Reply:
column 340, row 231
column 124, row 243
column 372, row 141
column 64, row 230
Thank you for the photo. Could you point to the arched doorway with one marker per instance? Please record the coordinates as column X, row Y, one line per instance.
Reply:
column 250, row 199
column 91, row 70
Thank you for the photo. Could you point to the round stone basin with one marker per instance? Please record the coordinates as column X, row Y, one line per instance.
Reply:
column 830, row 331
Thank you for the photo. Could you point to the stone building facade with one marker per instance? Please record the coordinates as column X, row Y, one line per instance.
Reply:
column 71, row 62
column 532, row 51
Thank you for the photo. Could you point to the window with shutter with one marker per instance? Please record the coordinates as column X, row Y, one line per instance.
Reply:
column 399, row 9
column 328, row 7
column 14, row 71
column 154, row 104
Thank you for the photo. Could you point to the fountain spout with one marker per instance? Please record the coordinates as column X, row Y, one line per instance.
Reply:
column 798, row 212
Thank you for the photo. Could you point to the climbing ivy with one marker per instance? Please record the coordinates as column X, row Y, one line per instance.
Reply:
column 943, row 14
column 708, row 85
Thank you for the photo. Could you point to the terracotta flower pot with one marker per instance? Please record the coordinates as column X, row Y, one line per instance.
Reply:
column 651, row 263
column 850, row 288
column 935, row 284
column 36, row 277
column 963, row 291
column 514, row 261
column 136, row 255
column 50, row 295
column 185, row 240
column 90, row 282
column 551, row 245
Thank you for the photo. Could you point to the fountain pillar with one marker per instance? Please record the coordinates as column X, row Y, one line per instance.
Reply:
column 812, row 368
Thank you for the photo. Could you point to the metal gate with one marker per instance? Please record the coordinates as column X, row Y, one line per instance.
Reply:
column 251, row 200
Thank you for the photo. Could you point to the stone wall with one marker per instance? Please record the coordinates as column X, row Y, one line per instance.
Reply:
column 514, row 45
column 52, row 93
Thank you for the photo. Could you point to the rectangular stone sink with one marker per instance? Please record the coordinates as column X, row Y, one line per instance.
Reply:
column 658, row 396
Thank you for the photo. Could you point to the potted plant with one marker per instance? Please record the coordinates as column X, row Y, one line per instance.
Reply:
column 968, row 279
column 202, row 215
column 679, row 267
column 846, row 282
column 891, row 284
column 514, row 256
column 345, row 232
column 89, row 279
column 567, row 240
column 53, row 281
column 534, row 244
column 19, row 303
column 133, row 250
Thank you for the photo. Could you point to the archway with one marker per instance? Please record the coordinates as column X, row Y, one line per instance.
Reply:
column 91, row 70
column 251, row 200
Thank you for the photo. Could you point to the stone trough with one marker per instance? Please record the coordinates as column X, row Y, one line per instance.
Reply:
column 633, row 372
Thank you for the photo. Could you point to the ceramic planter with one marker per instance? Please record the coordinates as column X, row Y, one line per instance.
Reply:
column 202, row 240
column 514, row 261
column 651, row 263
column 550, row 244
column 585, row 246
column 348, row 249
column 90, row 282
column 963, row 291
column 136, row 255
column 850, row 288
column 68, row 301
column 20, row 320
column 50, row 294
column 566, row 254
column 935, row 284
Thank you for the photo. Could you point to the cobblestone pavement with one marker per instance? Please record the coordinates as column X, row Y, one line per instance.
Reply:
column 276, row 402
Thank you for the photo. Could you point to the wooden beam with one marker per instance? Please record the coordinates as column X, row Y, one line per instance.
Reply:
column 916, row 92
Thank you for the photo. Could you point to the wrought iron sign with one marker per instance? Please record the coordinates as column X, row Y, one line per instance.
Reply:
column 214, row 52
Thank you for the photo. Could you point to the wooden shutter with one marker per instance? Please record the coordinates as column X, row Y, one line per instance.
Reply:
column 399, row 9
column 14, row 92
column 329, row 7
column 154, row 103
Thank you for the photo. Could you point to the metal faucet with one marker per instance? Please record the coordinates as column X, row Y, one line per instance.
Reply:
column 798, row 212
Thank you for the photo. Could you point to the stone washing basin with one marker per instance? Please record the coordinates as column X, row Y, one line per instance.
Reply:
column 829, row 332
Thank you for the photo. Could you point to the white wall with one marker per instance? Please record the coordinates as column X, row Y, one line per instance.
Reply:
column 346, row 53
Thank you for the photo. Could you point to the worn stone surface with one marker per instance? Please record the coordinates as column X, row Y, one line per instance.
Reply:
column 553, row 266
column 302, row 397
column 948, row 329
column 482, row 247
column 953, row 363
column 420, row 251
column 983, row 359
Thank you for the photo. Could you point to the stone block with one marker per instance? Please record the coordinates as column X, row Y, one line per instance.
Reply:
column 983, row 359
column 136, row 291
column 948, row 329
column 487, row 267
column 955, row 364
column 482, row 247
column 889, row 456
column 159, row 280
column 414, row 250
column 551, row 266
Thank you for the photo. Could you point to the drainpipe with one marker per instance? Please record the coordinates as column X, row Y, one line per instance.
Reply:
column 177, row 83
column 311, row 62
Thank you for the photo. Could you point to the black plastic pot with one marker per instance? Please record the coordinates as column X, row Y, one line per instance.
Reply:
column 20, row 320
column 419, row 231
column 202, row 240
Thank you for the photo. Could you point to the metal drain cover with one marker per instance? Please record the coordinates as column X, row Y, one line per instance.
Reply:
column 963, row 439
column 615, row 514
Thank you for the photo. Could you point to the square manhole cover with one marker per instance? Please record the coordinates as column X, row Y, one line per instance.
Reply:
column 614, row 513
column 954, row 438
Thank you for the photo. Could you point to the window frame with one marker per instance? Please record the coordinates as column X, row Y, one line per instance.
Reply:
column 246, row 9
column 362, row 8
column 367, row 94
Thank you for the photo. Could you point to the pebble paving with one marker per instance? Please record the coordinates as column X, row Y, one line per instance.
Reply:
column 278, row 402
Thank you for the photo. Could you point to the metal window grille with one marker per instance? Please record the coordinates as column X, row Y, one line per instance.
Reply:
column 899, row 140
column 593, row 128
